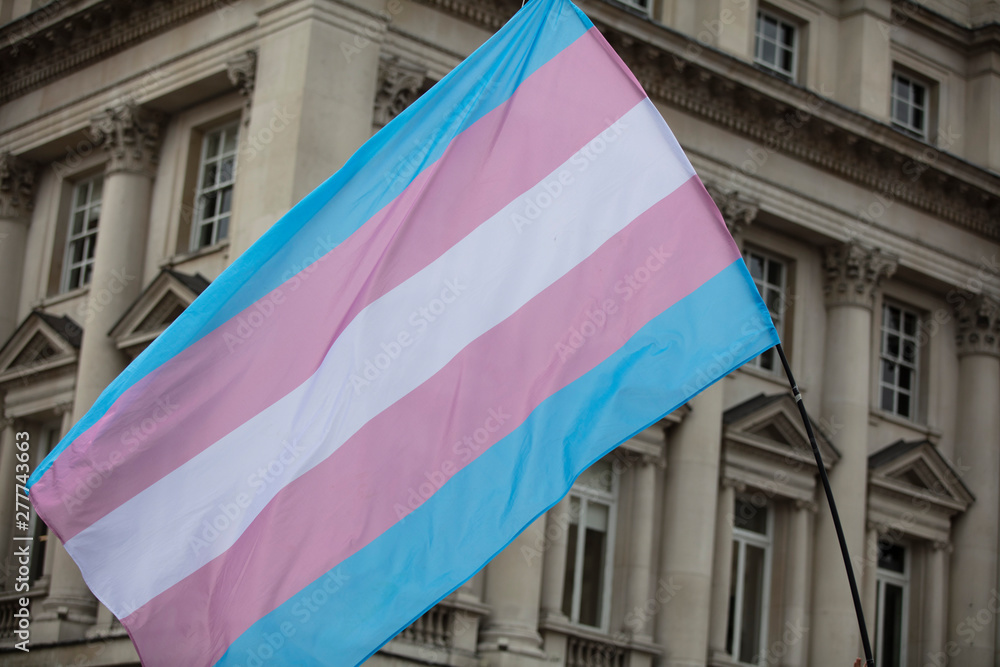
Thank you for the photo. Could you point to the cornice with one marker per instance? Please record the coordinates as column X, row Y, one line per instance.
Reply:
column 782, row 117
column 52, row 42
column 969, row 40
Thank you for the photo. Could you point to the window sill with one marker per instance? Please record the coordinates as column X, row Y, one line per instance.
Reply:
column 771, row 376
column 62, row 297
column 181, row 258
column 876, row 416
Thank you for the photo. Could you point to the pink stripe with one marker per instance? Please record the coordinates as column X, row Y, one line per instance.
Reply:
column 212, row 387
column 359, row 492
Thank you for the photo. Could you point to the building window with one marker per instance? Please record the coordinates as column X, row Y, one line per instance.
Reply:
column 641, row 5
column 892, row 599
column 587, row 589
column 909, row 105
column 769, row 274
column 898, row 363
column 214, row 196
column 78, row 267
column 776, row 45
column 750, row 582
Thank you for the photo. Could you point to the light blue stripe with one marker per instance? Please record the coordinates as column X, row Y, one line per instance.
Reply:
column 345, row 615
column 375, row 175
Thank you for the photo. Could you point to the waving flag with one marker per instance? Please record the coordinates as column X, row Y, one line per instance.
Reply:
column 511, row 278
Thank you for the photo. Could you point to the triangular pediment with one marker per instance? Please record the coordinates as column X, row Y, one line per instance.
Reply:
column 918, row 470
column 157, row 307
column 43, row 342
column 773, row 425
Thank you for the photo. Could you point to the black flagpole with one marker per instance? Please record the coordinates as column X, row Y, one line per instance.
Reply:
column 866, row 644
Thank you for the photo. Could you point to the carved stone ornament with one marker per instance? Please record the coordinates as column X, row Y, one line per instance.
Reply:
column 738, row 210
column 399, row 84
column 130, row 135
column 854, row 273
column 242, row 72
column 17, row 186
column 979, row 326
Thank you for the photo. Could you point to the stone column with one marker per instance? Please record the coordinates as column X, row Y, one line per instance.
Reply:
column 797, row 574
column 130, row 135
column 314, row 84
column 977, row 445
column 556, row 544
column 639, row 573
column 691, row 499
column 17, row 179
column 514, row 592
column 722, row 571
column 853, row 276
column 936, row 605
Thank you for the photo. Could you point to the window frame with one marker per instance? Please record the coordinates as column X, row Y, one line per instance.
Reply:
column 781, row 22
column 200, row 191
column 85, row 235
column 914, row 82
column 741, row 539
column 915, row 367
column 585, row 495
column 779, row 325
column 885, row 577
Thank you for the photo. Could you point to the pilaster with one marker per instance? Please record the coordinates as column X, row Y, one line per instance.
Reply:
column 17, row 191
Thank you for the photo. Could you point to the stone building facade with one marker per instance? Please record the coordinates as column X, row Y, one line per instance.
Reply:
column 853, row 147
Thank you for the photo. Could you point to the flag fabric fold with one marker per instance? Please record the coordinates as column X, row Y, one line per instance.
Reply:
column 514, row 276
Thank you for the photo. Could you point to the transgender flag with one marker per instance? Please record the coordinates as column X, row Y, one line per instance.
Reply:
column 514, row 276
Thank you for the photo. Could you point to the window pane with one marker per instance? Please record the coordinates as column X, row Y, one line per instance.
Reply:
column 208, row 206
column 892, row 626
column 918, row 119
column 910, row 324
column 227, row 200
column 750, row 517
column 210, row 172
column 733, row 580
column 769, row 53
column 886, row 402
column 592, row 586
column 227, row 170
column 87, row 271
column 787, row 35
column 95, row 216
column 230, row 144
column 76, row 252
column 888, row 371
column 903, row 405
column 892, row 346
column 77, row 223
column 918, row 95
column 770, row 28
column 212, row 144
column 205, row 239
column 222, row 227
column 567, row 605
column 775, row 272
column 900, row 88
column 97, row 189
column 756, row 267
column 74, row 279
column 81, row 194
column 767, row 359
column 909, row 351
column 753, row 602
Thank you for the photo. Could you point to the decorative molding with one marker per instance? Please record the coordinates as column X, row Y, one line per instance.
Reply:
column 131, row 136
column 399, row 83
column 979, row 326
column 738, row 210
column 35, row 50
column 804, row 125
column 807, row 505
column 242, row 73
column 854, row 273
column 17, row 186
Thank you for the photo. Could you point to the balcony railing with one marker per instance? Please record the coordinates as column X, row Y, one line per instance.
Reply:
column 584, row 652
column 434, row 628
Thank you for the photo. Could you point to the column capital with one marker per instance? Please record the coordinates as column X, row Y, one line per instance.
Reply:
column 399, row 84
column 131, row 136
column 738, row 210
column 17, row 186
column 735, row 484
column 242, row 73
column 941, row 545
column 806, row 505
column 854, row 272
column 978, row 326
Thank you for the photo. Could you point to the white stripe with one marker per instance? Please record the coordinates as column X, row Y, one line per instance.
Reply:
column 148, row 544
